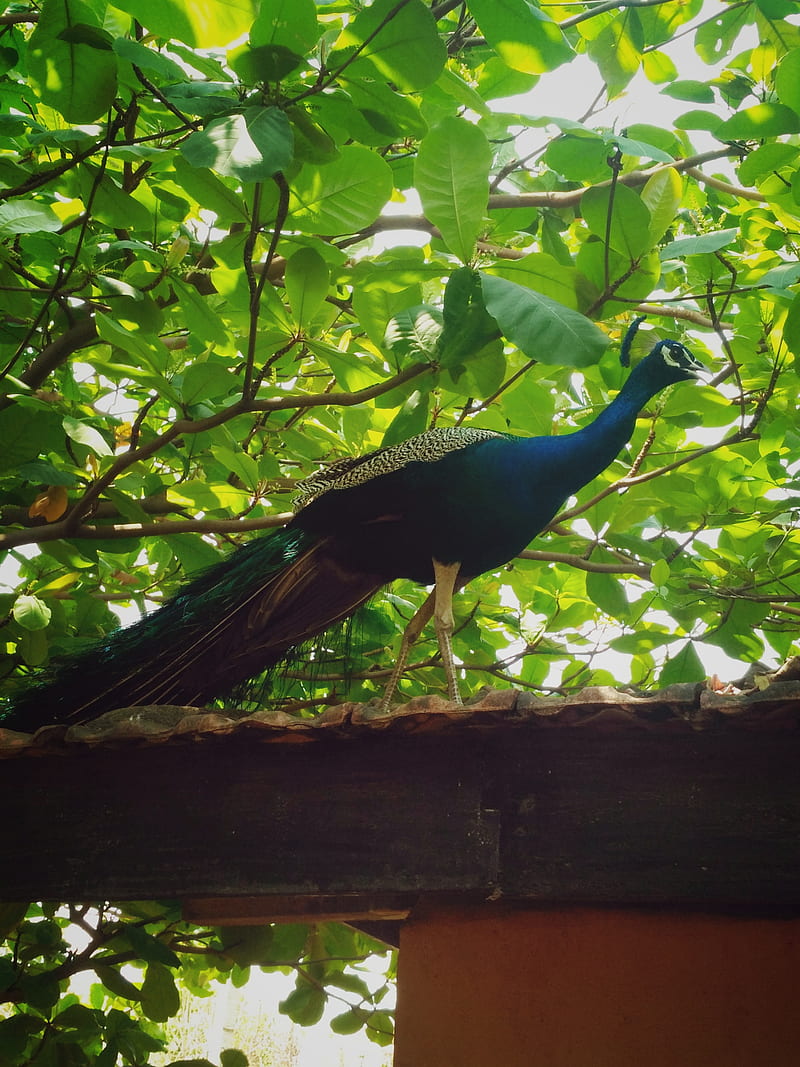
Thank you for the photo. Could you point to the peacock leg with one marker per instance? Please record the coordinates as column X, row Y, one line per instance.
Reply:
column 412, row 631
column 446, row 575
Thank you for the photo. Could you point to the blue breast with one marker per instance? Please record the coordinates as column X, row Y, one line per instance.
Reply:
column 479, row 505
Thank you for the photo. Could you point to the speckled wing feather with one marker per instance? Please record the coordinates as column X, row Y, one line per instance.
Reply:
column 357, row 470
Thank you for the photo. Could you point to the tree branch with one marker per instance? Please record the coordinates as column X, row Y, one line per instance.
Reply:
column 71, row 523
column 641, row 570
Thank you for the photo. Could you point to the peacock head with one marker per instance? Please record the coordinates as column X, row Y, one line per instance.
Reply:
column 669, row 362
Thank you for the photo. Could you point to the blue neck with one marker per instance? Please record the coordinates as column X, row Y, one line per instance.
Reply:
column 588, row 451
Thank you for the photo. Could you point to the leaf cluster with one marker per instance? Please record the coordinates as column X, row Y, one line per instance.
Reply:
column 95, row 985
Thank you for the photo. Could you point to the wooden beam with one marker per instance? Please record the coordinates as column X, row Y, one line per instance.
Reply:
column 604, row 803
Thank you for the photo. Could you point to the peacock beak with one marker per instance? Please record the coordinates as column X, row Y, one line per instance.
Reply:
column 696, row 369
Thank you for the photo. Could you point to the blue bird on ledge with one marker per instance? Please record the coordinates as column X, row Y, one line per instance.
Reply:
column 440, row 508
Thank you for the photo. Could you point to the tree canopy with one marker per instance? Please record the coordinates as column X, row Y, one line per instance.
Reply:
column 242, row 240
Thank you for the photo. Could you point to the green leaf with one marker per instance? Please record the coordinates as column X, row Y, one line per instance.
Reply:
column 452, row 175
column 86, row 435
column 342, row 196
column 31, row 613
column 411, row 419
column 290, row 24
column 11, row 915
column 206, row 25
column 401, row 43
column 524, row 37
column 608, row 594
column 687, row 89
column 632, row 146
column 209, row 190
column 311, row 143
column 391, row 116
column 248, row 945
column 148, row 59
column 206, row 381
column 579, row 156
column 26, row 216
column 135, row 343
column 686, row 666
column 662, row 195
column 658, row 67
column 698, row 120
column 659, row 572
column 289, row 941
column 76, row 78
column 40, row 991
column 758, row 122
column 94, row 36
column 467, row 326
column 233, row 1057
column 14, row 1034
column 160, row 999
column 304, row 1005
column 115, row 982
column 696, row 246
column 267, row 63
column 791, row 326
column 617, row 50
column 252, row 145
column 716, row 36
column 150, row 948
column 766, row 160
column 541, row 328
column 203, row 320
column 350, row 1022
column 414, row 332
column 239, row 463
column 380, row 1028
column 542, row 273
column 630, row 219
column 306, row 279
column 787, row 80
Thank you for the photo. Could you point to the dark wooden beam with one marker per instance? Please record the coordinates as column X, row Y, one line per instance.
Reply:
column 617, row 809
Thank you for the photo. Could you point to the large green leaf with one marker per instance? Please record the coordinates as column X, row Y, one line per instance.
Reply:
column 541, row 328
column 758, row 122
column 159, row 996
column 684, row 666
column 617, row 50
column 467, row 326
column 290, row 24
column 342, row 196
column 662, row 195
column 689, row 89
column 211, row 24
column 703, row 243
column 399, row 42
column 787, row 80
column 252, row 145
column 629, row 233
column 523, row 35
column 31, row 612
column 414, row 333
column 307, row 277
column 715, row 37
column 27, row 216
column 72, row 63
column 542, row 273
column 452, row 175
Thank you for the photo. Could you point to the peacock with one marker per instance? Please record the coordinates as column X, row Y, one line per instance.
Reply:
column 440, row 509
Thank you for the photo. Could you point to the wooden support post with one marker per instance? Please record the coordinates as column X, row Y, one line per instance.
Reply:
column 489, row 985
